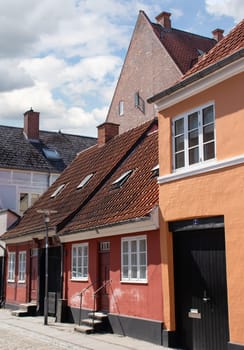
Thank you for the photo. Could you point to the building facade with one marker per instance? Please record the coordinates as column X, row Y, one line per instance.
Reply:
column 201, row 200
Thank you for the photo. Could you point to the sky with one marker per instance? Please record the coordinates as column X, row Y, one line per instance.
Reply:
column 62, row 58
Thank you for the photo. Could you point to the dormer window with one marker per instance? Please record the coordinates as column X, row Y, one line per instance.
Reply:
column 122, row 179
column 57, row 191
column 139, row 102
column 84, row 181
column 121, row 108
column 155, row 171
column 51, row 154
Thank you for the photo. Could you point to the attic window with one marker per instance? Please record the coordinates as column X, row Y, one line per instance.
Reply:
column 200, row 52
column 51, row 154
column 57, row 191
column 122, row 179
column 121, row 108
column 155, row 170
column 139, row 102
column 84, row 181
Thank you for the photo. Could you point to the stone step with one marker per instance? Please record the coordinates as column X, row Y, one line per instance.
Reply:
column 19, row 313
column 97, row 315
column 84, row 329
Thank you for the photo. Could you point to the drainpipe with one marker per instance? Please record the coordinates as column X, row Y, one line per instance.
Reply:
column 2, row 299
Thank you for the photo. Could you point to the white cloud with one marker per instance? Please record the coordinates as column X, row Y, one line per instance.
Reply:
column 232, row 8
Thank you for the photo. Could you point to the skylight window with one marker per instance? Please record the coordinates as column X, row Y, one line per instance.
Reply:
column 51, row 154
column 84, row 181
column 122, row 179
column 57, row 191
column 155, row 170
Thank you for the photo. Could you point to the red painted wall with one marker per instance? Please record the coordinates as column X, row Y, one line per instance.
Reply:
column 131, row 299
column 16, row 292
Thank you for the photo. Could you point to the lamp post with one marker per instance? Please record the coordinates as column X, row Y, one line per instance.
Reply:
column 46, row 214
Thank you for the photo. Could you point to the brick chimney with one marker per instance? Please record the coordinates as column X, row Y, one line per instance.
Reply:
column 218, row 34
column 106, row 132
column 31, row 125
column 164, row 19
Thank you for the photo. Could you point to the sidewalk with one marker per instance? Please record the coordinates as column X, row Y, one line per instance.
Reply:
column 29, row 333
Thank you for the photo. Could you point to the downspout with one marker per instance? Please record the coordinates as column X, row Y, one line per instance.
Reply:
column 2, row 296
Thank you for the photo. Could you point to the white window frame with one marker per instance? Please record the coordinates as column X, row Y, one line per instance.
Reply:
column 79, row 262
column 121, row 108
column 128, row 277
column 186, row 140
column 22, row 266
column 11, row 266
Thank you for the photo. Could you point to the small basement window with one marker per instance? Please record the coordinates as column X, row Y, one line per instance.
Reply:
column 57, row 191
column 122, row 179
column 84, row 181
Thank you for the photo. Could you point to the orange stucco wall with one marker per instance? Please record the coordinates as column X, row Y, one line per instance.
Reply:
column 131, row 299
column 214, row 193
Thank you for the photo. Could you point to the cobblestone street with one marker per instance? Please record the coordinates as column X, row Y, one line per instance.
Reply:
column 29, row 333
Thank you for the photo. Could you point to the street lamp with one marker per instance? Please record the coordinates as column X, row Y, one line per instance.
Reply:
column 46, row 213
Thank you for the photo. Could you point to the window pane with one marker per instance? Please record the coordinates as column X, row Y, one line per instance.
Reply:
column 133, row 246
column 34, row 197
column 208, row 133
column 125, row 259
column 125, row 246
column 179, row 143
column 125, row 271
column 134, row 272
column 179, row 160
column 193, row 155
column 142, row 245
column 193, row 138
column 179, row 126
column 209, row 151
column 133, row 259
column 142, row 259
column 143, row 272
column 193, row 121
column 208, row 116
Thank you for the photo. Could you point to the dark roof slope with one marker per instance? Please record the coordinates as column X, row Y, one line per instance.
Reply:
column 102, row 161
column 183, row 47
column 16, row 152
column 229, row 49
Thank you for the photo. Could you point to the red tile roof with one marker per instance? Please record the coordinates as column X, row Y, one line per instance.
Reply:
column 230, row 44
column 105, row 163
column 182, row 46
column 134, row 199
column 228, row 49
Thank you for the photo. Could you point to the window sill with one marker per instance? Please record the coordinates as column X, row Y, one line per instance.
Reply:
column 79, row 279
column 11, row 281
column 134, row 282
column 201, row 169
column 21, row 282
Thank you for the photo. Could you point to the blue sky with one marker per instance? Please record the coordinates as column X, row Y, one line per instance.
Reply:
column 64, row 61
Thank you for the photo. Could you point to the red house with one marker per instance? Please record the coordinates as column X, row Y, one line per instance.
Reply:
column 103, row 238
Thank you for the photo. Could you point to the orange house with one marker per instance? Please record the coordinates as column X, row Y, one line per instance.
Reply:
column 201, row 146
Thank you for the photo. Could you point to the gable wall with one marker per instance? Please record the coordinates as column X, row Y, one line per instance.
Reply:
column 148, row 69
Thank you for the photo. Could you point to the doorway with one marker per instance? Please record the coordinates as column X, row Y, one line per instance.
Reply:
column 104, row 275
column 200, row 289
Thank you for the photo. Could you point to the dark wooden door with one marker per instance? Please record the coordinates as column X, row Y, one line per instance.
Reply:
column 104, row 274
column 34, row 275
column 200, row 290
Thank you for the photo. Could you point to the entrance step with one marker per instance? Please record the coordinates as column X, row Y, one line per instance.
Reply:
column 96, row 322
column 28, row 309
